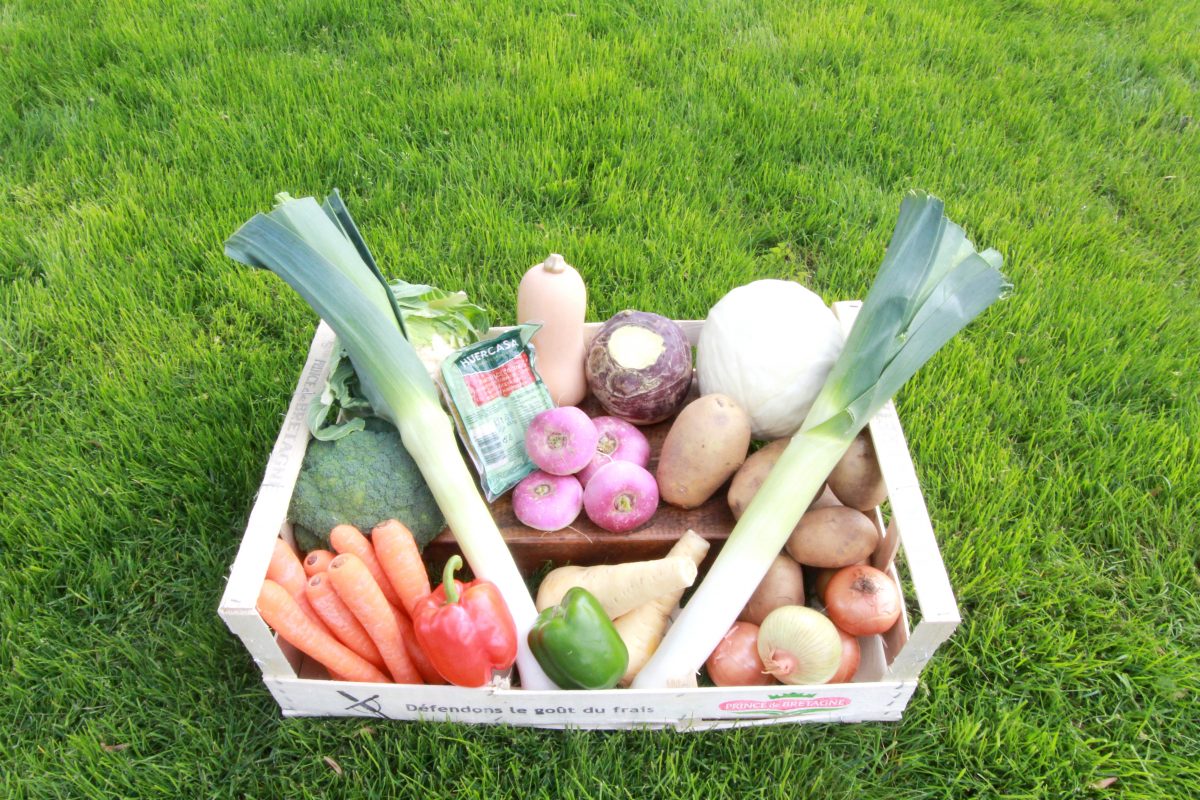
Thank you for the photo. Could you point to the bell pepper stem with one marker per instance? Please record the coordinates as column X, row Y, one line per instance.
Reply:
column 448, row 584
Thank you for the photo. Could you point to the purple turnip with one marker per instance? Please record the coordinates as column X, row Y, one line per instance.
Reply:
column 639, row 367
column 561, row 441
column 547, row 502
column 619, row 441
column 620, row 496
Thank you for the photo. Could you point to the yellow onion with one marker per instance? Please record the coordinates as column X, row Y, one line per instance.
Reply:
column 799, row 645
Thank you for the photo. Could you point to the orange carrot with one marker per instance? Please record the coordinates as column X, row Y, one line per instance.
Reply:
column 349, row 539
column 286, row 570
column 317, row 561
column 340, row 620
column 401, row 561
column 282, row 613
column 356, row 587
column 421, row 661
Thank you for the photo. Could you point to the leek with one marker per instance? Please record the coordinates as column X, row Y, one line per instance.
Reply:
column 436, row 323
column 931, row 284
column 313, row 250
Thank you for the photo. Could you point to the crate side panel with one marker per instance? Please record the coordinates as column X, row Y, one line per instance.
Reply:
column 926, row 638
column 268, row 516
column 690, row 327
column 613, row 708
column 272, row 659
column 910, row 518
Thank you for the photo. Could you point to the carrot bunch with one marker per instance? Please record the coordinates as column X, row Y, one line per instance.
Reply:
column 349, row 611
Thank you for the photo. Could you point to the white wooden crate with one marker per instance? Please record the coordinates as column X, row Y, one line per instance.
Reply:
column 886, row 679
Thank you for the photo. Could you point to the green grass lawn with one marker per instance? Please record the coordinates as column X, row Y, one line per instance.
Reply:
column 672, row 151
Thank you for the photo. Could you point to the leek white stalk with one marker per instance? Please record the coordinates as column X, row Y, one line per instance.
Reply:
column 303, row 248
column 931, row 284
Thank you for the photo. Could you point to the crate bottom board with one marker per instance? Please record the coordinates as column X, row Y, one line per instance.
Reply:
column 687, row 709
column 584, row 545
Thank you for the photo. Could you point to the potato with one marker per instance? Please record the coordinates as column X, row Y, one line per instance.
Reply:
column 783, row 585
column 750, row 477
column 856, row 480
column 751, row 474
column 833, row 537
column 705, row 445
column 825, row 499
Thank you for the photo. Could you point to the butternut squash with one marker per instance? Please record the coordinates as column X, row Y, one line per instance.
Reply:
column 553, row 294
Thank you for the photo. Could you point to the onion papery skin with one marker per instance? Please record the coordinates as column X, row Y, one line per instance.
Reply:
column 799, row 646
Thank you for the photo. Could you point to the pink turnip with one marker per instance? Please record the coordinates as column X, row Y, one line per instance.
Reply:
column 619, row 441
column 547, row 502
column 561, row 441
column 620, row 496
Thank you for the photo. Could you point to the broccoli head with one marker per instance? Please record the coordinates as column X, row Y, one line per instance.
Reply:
column 363, row 478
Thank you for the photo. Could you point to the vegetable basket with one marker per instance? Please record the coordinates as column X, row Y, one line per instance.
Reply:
column 881, row 690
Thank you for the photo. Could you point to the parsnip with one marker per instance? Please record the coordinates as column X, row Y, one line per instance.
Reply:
column 620, row 588
column 644, row 627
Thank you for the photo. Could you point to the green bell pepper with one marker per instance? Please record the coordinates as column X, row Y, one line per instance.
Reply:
column 577, row 645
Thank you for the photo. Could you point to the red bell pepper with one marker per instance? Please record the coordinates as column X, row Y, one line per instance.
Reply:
column 466, row 629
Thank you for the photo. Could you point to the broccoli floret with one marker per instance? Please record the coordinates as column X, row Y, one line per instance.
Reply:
column 362, row 479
